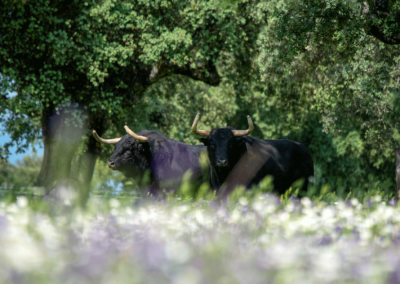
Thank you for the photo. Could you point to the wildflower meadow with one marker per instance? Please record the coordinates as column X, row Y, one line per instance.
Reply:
column 251, row 238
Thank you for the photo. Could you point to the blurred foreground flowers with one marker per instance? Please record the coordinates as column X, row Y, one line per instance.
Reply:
column 251, row 240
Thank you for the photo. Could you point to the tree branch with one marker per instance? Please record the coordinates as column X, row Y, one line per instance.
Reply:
column 207, row 73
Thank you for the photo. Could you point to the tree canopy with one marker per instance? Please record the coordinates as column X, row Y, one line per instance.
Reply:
column 345, row 57
column 93, row 59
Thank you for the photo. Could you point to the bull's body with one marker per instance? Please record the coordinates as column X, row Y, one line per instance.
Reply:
column 292, row 162
column 165, row 159
column 247, row 160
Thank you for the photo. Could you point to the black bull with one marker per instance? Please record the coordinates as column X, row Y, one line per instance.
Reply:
column 166, row 160
column 237, row 159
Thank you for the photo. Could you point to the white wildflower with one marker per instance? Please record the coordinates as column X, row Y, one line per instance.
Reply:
column 235, row 216
column 22, row 201
column 114, row 203
column 12, row 208
column 306, row 202
column 290, row 207
column 178, row 251
column 243, row 201
column 354, row 201
column 376, row 198
column 188, row 275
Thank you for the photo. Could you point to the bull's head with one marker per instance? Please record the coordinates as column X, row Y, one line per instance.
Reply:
column 223, row 144
column 131, row 155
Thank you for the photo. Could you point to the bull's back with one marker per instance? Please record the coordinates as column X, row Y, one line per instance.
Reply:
column 183, row 158
column 292, row 162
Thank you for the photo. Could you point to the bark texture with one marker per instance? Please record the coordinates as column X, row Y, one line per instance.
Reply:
column 61, row 137
column 87, row 161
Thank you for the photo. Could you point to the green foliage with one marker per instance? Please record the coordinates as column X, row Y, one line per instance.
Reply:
column 324, row 49
column 350, row 145
column 23, row 174
column 300, row 24
column 102, row 55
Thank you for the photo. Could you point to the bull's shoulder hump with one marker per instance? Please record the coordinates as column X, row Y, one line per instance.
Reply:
column 281, row 141
column 152, row 134
column 252, row 139
column 287, row 144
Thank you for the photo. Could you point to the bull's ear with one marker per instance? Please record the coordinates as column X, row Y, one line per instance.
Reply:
column 242, row 142
column 204, row 141
column 239, row 141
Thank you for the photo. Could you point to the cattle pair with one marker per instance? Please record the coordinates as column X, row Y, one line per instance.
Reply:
column 234, row 158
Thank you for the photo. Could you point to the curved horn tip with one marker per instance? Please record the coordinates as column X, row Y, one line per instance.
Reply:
column 194, row 127
column 139, row 138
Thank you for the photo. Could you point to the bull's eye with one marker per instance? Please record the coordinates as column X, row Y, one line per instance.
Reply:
column 127, row 153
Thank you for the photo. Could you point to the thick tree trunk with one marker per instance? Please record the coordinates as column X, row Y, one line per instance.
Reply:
column 398, row 172
column 46, row 169
column 60, row 139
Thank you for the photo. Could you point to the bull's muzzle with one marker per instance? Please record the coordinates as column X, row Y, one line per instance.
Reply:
column 111, row 165
column 222, row 163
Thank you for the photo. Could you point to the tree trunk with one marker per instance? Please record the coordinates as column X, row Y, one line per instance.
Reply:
column 61, row 135
column 86, row 166
column 88, row 160
column 46, row 169
column 398, row 172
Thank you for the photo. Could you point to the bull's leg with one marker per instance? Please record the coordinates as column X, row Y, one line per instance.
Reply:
column 153, row 189
column 304, row 188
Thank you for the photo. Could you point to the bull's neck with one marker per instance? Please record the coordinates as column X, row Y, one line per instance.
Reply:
column 223, row 174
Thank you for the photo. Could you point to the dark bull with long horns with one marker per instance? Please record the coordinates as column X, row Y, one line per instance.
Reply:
column 238, row 159
column 166, row 160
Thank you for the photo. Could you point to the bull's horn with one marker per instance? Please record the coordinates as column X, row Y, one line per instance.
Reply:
column 141, row 139
column 105, row 141
column 245, row 132
column 199, row 132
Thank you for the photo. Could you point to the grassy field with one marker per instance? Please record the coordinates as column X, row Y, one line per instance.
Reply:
column 255, row 237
